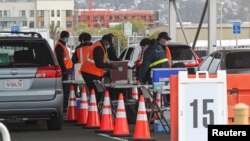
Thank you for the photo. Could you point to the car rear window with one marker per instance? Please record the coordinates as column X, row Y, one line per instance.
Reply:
column 181, row 53
column 25, row 54
column 238, row 60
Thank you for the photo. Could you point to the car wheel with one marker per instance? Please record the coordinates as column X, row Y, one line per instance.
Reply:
column 55, row 122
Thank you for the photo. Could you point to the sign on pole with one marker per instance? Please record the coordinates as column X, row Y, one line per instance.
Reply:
column 128, row 29
column 14, row 29
column 236, row 28
column 202, row 101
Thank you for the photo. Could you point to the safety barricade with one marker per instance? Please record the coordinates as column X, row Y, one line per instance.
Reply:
column 238, row 91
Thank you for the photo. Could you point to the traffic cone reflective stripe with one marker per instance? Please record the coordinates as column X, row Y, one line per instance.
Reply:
column 121, row 124
column 135, row 93
column 93, row 116
column 107, row 122
column 141, row 116
column 84, row 104
column 92, row 107
column 83, row 112
column 72, row 110
column 121, row 113
column 158, row 99
column 142, row 123
column 106, row 110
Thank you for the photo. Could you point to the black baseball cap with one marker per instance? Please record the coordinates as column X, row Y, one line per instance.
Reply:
column 164, row 35
column 64, row 34
column 107, row 37
column 84, row 36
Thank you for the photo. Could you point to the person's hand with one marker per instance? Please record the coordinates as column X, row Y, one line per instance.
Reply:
column 138, row 82
column 113, row 66
column 65, row 75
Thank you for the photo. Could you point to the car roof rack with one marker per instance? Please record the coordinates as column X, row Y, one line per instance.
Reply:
column 33, row 34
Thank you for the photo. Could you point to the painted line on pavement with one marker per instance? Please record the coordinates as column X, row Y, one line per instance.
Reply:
column 115, row 138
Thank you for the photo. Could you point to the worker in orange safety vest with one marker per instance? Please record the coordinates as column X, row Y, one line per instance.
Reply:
column 95, row 65
column 82, row 50
column 63, row 56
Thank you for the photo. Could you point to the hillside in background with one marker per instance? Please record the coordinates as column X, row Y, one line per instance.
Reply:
column 190, row 10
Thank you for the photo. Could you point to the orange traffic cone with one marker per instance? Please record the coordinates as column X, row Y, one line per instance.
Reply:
column 83, row 111
column 142, row 131
column 158, row 99
column 107, row 122
column 121, row 124
column 72, row 110
column 93, row 116
column 135, row 93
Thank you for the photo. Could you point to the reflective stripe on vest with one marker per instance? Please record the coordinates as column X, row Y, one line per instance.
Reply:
column 67, row 61
column 168, row 55
column 82, row 57
column 158, row 62
column 89, row 65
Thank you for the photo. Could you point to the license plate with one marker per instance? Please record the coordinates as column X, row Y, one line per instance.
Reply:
column 13, row 84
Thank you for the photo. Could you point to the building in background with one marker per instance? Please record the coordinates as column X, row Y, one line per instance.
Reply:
column 104, row 18
column 17, row 13
column 37, row 13
column 57, row 12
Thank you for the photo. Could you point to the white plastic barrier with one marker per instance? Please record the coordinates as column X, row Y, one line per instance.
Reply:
column 202, row 101
column 5, row 132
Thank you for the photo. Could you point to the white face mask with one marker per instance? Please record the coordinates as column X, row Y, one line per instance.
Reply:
column 66, row 39
column 107, row 45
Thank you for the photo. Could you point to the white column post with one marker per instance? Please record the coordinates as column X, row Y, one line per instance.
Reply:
column 212, row 25
column 172, row 21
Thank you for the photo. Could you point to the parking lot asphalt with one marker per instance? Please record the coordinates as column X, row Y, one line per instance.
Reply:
column 70, row 132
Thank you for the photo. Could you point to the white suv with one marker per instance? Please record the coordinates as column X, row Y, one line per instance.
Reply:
column 181, row 54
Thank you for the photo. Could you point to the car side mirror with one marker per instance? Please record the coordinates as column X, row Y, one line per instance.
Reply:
column 199, row 60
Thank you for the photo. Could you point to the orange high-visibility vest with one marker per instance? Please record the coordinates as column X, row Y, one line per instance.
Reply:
column 66, row 57
column 89, row 65
column 81, row 54
column 82, row 57
column 169, row 57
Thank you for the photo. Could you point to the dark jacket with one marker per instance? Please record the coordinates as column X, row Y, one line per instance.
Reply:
column 112, row 53
column 60, row 58
column 98, row 58
column 74, row 57
column 151, row 55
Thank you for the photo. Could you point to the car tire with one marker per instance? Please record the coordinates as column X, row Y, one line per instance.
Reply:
column 55, row 122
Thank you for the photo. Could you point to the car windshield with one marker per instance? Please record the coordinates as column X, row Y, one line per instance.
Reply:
column 238, row 60
column 181, row 53
column 24, row 54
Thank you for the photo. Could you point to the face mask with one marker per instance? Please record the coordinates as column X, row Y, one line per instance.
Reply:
column 107, row 45
column 65, row 39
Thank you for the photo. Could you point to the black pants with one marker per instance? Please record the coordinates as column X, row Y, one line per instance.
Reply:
column 89, row 78
column 66, row 90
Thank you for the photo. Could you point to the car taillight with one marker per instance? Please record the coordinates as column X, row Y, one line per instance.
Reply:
column 191, row 63
column 48, row 72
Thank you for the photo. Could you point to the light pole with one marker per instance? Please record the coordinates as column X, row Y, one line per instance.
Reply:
column 221, row 10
